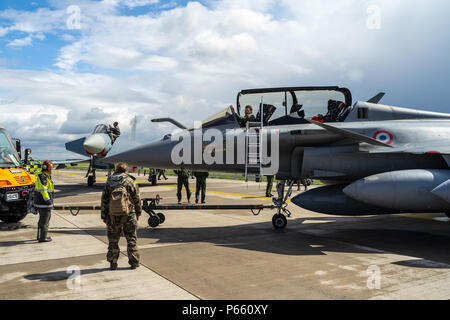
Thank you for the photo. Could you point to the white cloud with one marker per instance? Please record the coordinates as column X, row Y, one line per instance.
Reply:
column 137, row 3
column 27, row 41
column 188, row 62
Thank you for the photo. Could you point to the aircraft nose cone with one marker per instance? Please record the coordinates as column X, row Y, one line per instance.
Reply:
column 94, row 144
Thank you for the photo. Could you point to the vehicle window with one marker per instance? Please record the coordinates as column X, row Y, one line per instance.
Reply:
column 8, row 155
column 282, row 101
column 316, row 102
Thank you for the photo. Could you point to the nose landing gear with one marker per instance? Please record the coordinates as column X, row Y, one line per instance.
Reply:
column 279, row 220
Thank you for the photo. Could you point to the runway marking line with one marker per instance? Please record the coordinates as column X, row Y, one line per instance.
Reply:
column 191, row 189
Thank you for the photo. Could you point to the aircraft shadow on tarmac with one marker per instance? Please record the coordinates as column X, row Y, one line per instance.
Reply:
column 328, row 235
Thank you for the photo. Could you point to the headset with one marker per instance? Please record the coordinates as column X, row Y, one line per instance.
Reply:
column 45, row 165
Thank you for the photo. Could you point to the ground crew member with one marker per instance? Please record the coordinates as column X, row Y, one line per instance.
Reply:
column 43, row 199
column 162, row 172
column 247, row 117
column 183, row 180
column 200, row 185
column 121, row 209
column 114, row 132
column 269, row 186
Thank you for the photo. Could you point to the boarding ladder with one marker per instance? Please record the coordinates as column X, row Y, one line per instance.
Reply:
column 253, row 147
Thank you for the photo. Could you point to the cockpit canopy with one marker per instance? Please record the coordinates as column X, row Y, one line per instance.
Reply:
column 291, row 105
column 226, row 117
column 100, row 128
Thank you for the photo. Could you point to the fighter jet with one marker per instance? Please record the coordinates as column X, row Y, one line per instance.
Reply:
column 98, row 145
column 373, row 158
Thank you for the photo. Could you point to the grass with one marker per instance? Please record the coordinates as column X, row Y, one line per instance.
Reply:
column 214, row 175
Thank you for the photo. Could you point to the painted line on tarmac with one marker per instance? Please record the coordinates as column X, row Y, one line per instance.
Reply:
column 193, row 190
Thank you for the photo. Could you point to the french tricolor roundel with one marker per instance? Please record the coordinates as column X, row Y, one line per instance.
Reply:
column 384, row 136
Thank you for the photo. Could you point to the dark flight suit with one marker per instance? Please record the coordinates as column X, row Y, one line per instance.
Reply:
column 243, row 120
column 162, row 173
column 269, row 186
column 114, row 133
column 200, row 185
column 183, row 180
column 43, row 202
column 117, row 224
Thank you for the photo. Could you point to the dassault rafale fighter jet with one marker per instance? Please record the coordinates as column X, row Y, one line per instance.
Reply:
column 99, row 144
column 373, row 158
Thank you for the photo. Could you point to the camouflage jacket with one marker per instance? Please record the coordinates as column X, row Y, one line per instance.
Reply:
column 182, row 174
column 132, row 188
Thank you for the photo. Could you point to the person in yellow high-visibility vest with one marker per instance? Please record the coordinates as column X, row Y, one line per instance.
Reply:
column 43, row 199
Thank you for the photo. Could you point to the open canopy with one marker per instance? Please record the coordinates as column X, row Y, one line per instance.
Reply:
column 100, row 128
column 290, row 103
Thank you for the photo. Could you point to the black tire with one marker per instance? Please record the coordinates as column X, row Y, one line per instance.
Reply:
column 279, row 221
column 161, row 217
column 91, row 181
column 12, row 219
column 153, row 221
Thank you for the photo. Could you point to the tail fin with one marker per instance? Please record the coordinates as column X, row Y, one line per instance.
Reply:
column 377, row 98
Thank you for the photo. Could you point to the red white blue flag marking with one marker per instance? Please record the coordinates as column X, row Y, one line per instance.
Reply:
column 384, row 136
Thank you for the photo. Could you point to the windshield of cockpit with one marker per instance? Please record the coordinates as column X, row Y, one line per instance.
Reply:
column 292, row 103
column 8, row 155
column 224, row 117
column 101, row 128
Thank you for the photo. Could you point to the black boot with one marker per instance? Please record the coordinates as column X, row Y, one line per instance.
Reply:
column 42, row 236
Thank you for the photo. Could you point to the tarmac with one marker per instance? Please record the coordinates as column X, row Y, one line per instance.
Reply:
column 230, row 255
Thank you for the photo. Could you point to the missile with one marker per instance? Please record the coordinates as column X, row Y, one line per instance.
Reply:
column 332, row 200
column 405, row 190
column 443, row 191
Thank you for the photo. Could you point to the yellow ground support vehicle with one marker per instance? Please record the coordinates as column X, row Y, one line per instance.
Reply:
column 16, row 184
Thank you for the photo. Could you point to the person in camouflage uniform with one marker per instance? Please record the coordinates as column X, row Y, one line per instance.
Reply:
column 183, row 180
column 200, row 185
column 269, row 186
column 117, row 224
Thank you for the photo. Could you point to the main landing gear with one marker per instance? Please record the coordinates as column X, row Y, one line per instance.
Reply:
column 279, row 220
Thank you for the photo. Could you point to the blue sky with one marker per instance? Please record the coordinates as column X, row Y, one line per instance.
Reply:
column 188, row 59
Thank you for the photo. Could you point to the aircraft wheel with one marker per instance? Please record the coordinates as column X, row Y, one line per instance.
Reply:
column 91, row 181
column 153, row 221
column 161, row 217
column 279, row 221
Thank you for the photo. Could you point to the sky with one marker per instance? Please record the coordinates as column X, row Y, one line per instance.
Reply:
column 66, row 66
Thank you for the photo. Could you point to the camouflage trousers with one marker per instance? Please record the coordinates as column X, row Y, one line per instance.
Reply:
column 127, row 225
